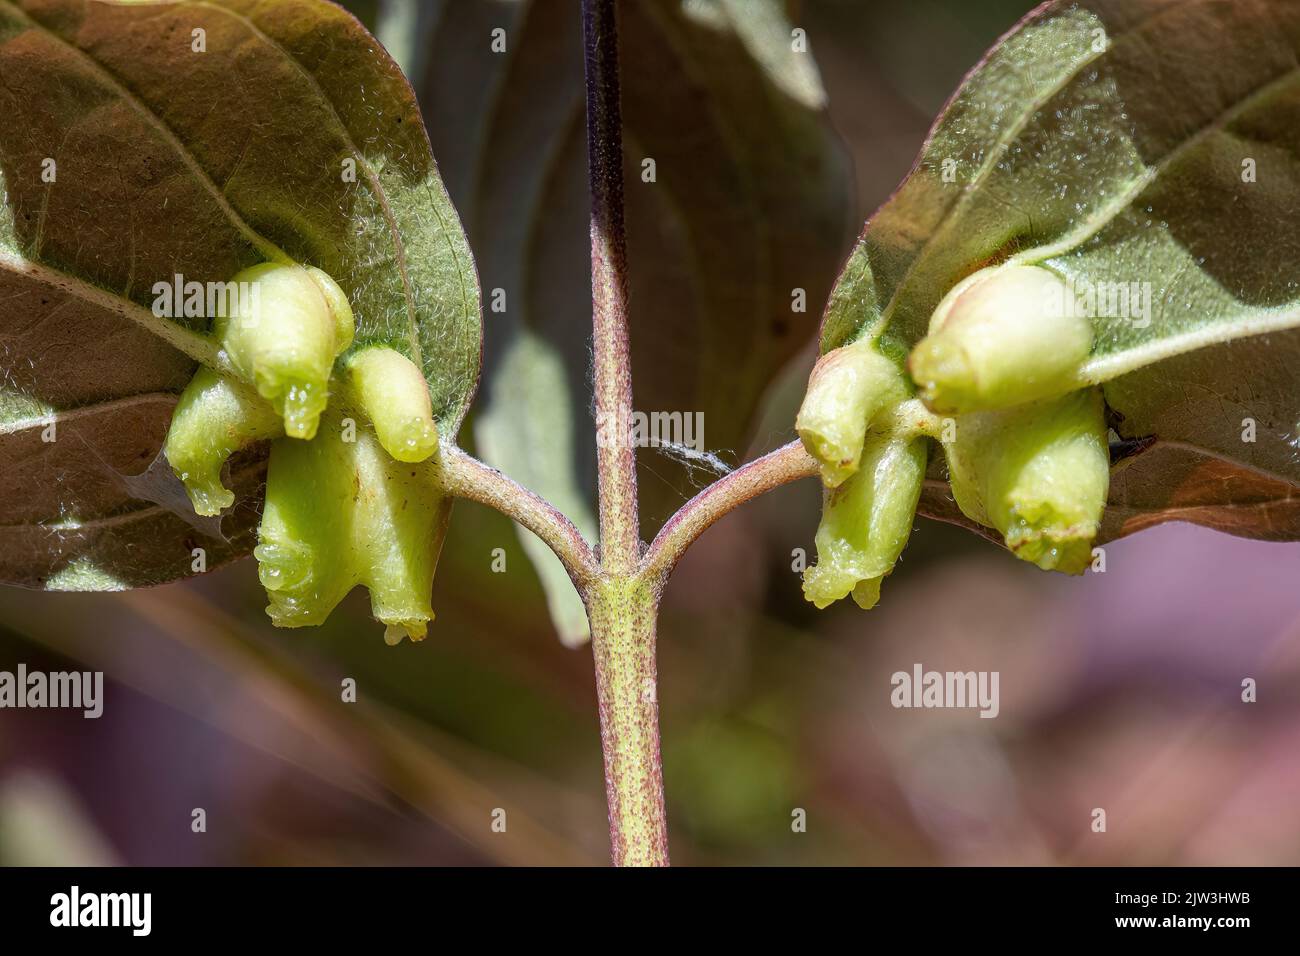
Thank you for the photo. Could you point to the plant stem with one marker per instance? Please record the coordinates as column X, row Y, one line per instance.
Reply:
column 615, row 459
column 788, row 463
column 621, row 609
column 464, row 476
column 622, row 612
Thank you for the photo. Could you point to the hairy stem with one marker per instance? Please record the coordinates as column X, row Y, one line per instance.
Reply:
column 621, row 609
column 466, row 477
column 788, row 463
column 622, row 612
column 616, row 461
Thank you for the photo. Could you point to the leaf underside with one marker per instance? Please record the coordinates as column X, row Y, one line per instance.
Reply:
column 1129, row 141
column 291, row 136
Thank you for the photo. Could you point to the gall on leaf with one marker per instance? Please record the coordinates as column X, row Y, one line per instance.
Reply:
column 393, row 394
column 215, row 417
column 848, row 388
column 866, row 521
column 344, row 506
column 1039, row 473
column 1004, row 336
column 284, row 335
column 341, row 513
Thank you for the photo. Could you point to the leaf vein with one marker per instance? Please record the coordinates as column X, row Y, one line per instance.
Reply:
column 264, row 245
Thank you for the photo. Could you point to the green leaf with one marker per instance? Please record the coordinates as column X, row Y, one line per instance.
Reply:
column 195, row 139
column 1116, row 142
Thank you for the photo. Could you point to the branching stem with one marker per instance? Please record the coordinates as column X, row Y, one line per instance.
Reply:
column 620, row 590
column 788, row 463
column 464, row 476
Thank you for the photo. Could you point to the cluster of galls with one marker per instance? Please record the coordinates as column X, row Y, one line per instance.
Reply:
column 1027, row 453
column 352, row 491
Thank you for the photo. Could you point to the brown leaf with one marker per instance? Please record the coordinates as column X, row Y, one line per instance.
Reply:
column 140, row 142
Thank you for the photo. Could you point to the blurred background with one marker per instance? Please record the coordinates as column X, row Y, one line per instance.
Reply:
column 1119, row 690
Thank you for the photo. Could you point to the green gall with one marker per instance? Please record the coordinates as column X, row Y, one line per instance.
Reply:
column 392, row 392
column 866, row 522
column 1004, row 336
column 336, row 300
column 214, row 418
column 341, row 513
column 284, row 337
column 848, row 388
column 343, row 506
column 1038, row 473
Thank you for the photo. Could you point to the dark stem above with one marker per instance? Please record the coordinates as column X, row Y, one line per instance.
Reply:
column 616, row 460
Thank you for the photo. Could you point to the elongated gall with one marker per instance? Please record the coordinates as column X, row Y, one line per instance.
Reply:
column 340, row 511
column 1005, row 336
column 215, row 417
column 866, row 522
column 392, row 392
column 847, row 389
column 1038, row 473
column 284, row 336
